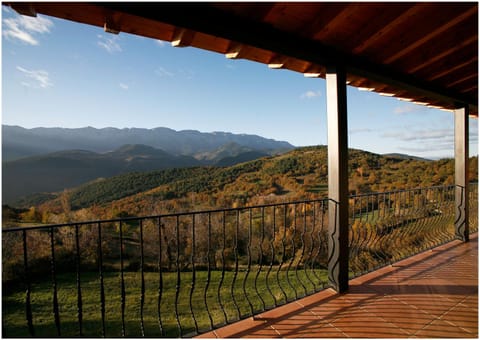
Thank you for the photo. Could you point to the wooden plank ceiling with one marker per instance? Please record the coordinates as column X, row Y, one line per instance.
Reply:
column 421, row 52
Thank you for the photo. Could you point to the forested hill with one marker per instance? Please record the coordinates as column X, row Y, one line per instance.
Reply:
column 299, row 174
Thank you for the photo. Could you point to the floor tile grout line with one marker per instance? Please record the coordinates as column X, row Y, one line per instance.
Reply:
column 363, row 308
column 448, row 321
column 276, row 331
column 385, row 320
column 439, row 318
column 371, row 295
column 340, row 330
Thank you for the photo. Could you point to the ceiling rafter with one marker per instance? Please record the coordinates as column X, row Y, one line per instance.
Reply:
column 453, row 68
column 336, row 21
column 431, row 35
column 435, row 57
column 403, row 17
column 182, row 37
column 464, row 79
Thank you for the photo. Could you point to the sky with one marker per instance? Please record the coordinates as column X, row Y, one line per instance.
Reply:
column 57, row 73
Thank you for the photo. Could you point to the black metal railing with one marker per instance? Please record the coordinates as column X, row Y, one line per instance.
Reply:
column 178, row 275
column 170, row 275
column 473, row 207
column 390, row 226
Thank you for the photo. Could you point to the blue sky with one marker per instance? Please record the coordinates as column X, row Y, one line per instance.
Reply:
column 57, row 73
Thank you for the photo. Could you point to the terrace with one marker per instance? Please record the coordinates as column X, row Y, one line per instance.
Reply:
column 185, row 274
column 433, row 294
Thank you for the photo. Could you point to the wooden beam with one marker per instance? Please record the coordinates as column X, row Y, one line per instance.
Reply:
column 110, row 26
column 24, row 9
column 461, row 80
column 434, row 56
column 277, row 62
column 470, row 88
column 472, row 11
column 234, row 50
column 461, row 173
column 336, row 21
column 198, row 16
column 182, row 37
column 337, row 178
column 401, row 19
column 449, row 70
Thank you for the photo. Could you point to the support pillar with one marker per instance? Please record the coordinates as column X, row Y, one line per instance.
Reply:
column 461, row 174
column 337, row 178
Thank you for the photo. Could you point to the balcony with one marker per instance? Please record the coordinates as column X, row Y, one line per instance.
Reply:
column 187, row 274
column 430, row 295
column 190, row 273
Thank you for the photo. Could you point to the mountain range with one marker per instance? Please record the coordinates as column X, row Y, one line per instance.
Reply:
column 54, row 159
column 18, row 142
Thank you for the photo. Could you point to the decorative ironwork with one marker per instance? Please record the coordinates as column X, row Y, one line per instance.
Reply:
column 387, row 227
column 181, row 274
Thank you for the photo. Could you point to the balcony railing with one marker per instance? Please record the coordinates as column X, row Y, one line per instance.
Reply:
column 390, row 226
column 170, row 275
column 182, row 274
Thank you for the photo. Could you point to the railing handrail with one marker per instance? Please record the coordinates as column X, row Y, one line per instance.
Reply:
column 149, row 217
column 377, row 193
column 138, row 218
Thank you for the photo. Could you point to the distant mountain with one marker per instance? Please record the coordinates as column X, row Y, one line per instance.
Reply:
column 402, row 156
column 240, row 158
column 18, row 142
column 230, row 154
column 65, row 169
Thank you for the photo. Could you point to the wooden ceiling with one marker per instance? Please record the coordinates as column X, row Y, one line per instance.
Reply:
column 420, row 52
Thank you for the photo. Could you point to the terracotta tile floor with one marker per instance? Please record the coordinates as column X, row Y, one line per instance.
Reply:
column 431, row 295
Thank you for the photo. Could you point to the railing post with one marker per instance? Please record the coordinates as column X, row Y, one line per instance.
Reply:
column 337, row 178
column 461, row 173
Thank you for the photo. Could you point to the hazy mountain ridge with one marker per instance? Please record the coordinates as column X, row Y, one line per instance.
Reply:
column 18, row 142
column 65, row 169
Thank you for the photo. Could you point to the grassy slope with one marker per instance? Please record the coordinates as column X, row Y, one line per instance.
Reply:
column 15, row 325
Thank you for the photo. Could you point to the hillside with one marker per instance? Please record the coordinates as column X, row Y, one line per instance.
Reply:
column 66, row 169
column 404, row 157
column 18, row 142
column 69, row 168
column 299, row 174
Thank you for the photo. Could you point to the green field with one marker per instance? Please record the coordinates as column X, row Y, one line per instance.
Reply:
column 297, row 284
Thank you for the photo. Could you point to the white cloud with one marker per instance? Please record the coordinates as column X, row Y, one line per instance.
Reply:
column 186, row 73
column 35, row 78
column 162, row 72
column 160, row 43
column 360, row 130
column 311, row 94
column 420, row 135
column 109, row 44
column 407, row 108
column 123, row 86
column 24, row 28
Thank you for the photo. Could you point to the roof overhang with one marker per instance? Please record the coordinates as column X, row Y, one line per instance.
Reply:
column 425, row 53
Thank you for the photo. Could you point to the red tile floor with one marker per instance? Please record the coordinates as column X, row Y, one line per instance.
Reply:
column 430, row 295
